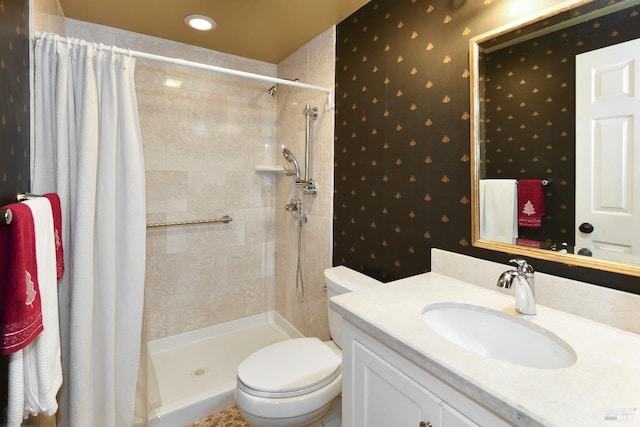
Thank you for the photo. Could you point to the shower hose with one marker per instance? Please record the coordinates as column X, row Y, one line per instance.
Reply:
column 299, row 278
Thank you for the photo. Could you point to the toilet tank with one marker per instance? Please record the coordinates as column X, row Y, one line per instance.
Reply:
column 340, row 280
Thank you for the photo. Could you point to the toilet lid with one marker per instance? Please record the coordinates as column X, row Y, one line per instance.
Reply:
column 289, row 368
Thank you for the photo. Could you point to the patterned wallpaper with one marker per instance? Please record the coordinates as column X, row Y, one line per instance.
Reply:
column 402, row 136
column 530, row 128
column 14, row 99
column 402, row 152
column 14, row 119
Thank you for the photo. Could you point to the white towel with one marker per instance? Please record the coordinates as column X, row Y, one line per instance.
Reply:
column 15, row 400
column 35, row 390
column 499, row 210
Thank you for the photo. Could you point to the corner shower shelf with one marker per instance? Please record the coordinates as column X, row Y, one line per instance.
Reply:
column 280, row 169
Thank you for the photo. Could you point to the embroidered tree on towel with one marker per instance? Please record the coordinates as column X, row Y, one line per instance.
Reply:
column 528, row 208
column 30, row 288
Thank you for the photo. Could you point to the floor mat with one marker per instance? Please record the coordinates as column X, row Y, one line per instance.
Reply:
column 227, row 418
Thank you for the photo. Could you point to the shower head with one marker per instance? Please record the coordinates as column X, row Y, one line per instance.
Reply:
column 289, row 157
column 273, row 90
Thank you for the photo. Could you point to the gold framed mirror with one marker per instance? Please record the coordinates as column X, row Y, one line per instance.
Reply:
column 527, row 114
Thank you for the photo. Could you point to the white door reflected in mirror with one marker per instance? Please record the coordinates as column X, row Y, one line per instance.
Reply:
column 607, row 138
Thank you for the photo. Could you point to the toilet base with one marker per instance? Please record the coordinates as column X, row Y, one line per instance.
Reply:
column 332, row 411
column 334, row 417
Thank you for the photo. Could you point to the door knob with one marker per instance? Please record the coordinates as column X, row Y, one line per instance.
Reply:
column 585, row 227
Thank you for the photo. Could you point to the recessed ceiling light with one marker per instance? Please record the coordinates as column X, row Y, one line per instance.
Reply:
column 200, row 22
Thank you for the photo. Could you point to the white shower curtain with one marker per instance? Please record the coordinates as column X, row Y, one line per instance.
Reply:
column 88, row 149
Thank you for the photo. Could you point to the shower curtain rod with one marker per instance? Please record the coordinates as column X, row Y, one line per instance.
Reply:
column 198, row 65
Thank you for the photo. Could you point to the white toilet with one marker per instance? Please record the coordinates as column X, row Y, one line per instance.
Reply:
column 297, row 382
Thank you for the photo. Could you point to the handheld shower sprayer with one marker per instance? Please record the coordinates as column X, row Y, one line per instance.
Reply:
column 288, row 155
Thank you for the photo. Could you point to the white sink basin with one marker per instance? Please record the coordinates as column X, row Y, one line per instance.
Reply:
column 499, row 335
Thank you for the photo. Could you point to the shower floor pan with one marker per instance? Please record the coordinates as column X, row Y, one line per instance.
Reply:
column 196, row 371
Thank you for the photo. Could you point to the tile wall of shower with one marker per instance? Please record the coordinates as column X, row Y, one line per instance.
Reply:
column 47, row 16
column 315, row 64
column 201, row 143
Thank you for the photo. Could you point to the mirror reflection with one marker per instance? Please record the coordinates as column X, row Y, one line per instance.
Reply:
column 554, row 107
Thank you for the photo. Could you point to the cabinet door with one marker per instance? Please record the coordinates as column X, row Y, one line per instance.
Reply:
column 388, row 397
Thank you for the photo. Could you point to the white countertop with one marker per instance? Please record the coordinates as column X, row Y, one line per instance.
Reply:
column 604, row 380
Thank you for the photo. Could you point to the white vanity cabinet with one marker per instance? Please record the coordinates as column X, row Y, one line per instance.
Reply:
column 381, row 388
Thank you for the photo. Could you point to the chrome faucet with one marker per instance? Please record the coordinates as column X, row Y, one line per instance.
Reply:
column 525, row 287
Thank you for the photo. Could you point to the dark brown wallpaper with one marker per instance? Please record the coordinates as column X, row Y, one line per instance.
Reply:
column 14, row 120
column 530, row 99
column 402, row 151
column 14, row 99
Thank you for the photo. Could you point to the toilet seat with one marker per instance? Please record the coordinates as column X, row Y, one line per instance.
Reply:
column 289, row 368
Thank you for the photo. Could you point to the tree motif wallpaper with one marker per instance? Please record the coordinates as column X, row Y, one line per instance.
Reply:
column 402, row 145
column 529, row 104
column 14, row 99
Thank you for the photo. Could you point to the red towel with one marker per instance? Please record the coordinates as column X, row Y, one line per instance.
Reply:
column 528, row 243
column 54, row 200
column 530, row 203
column 20, row 309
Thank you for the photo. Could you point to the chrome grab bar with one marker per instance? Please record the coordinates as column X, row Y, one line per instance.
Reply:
column 225, row 219
column 6, row 216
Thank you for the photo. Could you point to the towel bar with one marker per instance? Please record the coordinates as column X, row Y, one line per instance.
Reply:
column 6, row 216
column 21, row 197
column 546, row 182
column 225, row 219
